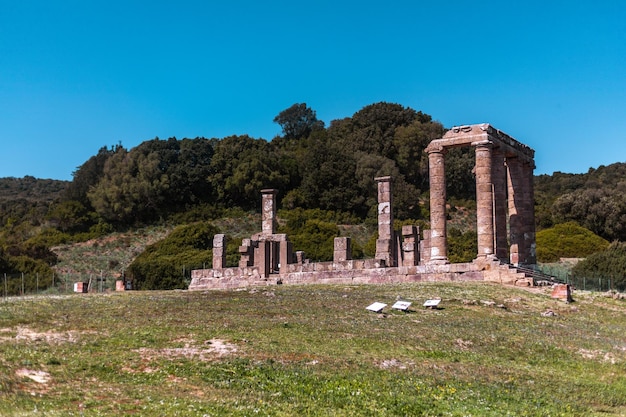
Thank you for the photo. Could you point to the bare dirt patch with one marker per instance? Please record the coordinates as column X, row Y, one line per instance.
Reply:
column 40, row 377
column 29, row 335
column 210, row 350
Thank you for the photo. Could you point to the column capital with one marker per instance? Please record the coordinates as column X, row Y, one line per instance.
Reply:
column 486, row 143
column 383, row 179
column 434, row 148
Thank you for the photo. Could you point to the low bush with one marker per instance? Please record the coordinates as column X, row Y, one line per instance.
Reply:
column 567, row 240
column 610, row 264
column 167, row 264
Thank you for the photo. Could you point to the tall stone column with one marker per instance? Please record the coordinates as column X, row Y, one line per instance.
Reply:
column 437, row 177
column 528, row 203
column 268, row 211
column 484, row 199
column 385, row 242
column 498, row 177
column 516, row 210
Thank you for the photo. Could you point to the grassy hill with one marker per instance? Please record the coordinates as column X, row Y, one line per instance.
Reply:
column 314, row 350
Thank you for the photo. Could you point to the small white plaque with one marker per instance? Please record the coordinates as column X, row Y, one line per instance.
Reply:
column 376, row 307
column 401, row 305
column 432, row 303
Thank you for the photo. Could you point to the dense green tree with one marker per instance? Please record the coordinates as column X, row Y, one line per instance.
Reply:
column 241, row 167
column 601, row 210
column 372, row 129
column 69, row 216
column 89, row 174
column 410, row 142
column 154, row 179
column 298, row 121
column 328, row 177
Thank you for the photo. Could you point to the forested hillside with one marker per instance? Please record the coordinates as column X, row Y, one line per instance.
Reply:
column 326, row 172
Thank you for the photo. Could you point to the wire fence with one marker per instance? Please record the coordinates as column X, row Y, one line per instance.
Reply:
column 600, row 283
column 21, row 284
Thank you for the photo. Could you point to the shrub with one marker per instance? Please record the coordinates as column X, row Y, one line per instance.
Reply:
column 316, row 239
column 610, row 263
column 462, row 247
column 567, row 240
column 167, row 264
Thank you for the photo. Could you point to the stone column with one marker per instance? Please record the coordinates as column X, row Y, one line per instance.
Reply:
column 498, row 177
column 528, row 203
column 484, row 199
column 268, row 211
column 286, row 253
column 262, row 258
column 437, row 175
column 219, row 251
column 385, row 241
column 516, row 221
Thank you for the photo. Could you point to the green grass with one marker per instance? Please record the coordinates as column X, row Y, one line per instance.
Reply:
column 314, row 351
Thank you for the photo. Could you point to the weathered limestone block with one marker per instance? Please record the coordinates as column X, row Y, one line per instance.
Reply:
column 410, row 245
column 268, row 210
column 384, row 245
column 342, row 249
column 562, row 292
column 219, row 251
column 384, row 251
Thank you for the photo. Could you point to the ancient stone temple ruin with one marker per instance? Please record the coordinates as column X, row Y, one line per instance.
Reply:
column 504, row 180
column 505, row 225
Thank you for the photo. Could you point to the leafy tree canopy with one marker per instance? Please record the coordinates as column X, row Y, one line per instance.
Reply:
column 298, row 121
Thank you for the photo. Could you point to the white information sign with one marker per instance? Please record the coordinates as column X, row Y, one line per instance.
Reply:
column 401, row 305
column 432, row 303
column 376, row 307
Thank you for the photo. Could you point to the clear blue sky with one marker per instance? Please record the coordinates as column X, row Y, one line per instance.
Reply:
column 77, row 75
